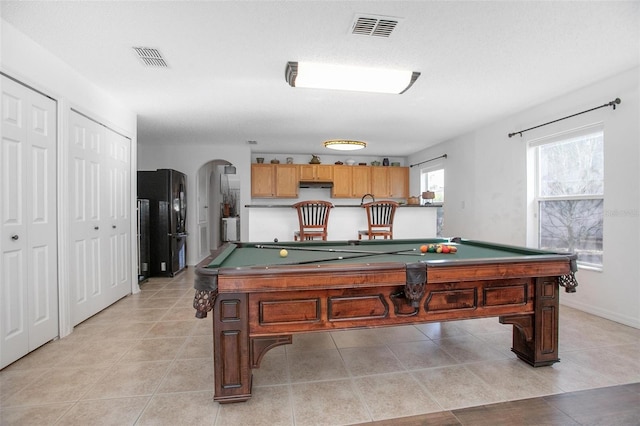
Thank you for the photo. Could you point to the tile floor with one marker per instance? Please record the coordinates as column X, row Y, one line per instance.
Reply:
column 148, row 360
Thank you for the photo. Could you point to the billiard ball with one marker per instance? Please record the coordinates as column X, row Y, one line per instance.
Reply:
column 423, row 248
column 284, row 253
column 453, row 249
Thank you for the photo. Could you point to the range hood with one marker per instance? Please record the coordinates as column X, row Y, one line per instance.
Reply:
column 314, row 184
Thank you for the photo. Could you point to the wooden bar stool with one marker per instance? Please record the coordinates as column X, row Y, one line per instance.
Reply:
column 313, row 217
column 379, row 219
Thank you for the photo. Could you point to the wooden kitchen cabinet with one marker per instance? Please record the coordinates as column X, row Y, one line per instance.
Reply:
column 380, row 185
column 283, row 180
column 390, row 182
column 351, row 181
column 274, row 181
column 398, row 182
column 316, row 173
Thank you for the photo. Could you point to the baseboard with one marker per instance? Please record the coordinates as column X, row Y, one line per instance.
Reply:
column 603, row 313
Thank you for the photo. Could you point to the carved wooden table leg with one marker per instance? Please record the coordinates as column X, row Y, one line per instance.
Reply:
column 232, row 372
column 535, row 337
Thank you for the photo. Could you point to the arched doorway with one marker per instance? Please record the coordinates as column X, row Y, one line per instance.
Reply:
column 217, row 204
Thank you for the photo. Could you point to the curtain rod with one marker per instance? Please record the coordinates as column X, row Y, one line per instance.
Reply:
column 613, row 104
column 426, row 161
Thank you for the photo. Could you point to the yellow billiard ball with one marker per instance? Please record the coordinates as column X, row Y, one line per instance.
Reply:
column 284, row 253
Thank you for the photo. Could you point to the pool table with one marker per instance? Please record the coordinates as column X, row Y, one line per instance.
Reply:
column 260, row 298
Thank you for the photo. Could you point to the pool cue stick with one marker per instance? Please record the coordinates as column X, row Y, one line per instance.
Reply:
column 328, row 250
column 369, row 253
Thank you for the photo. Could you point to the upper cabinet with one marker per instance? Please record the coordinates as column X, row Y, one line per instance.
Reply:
column 283, row 180
column 380, row 185
column 398, row 182
column 316, row 173
column 351, row 181
column 390, row 182
column 274, row 180
column 287, row 182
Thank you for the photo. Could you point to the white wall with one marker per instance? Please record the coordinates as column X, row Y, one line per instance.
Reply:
column 486, row 188
column 29, row 63
column 188, row 157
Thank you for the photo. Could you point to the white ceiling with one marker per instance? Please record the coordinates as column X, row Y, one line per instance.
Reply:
column 480, row 61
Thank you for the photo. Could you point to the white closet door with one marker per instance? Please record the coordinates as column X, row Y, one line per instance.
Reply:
column 28, row 234
column 100, row 221
column 117, row 215
column 85, row 194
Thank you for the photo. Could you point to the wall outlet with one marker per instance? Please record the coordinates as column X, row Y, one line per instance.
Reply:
column 163, row 266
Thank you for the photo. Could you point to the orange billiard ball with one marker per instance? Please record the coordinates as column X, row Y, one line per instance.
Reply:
column 423, row 248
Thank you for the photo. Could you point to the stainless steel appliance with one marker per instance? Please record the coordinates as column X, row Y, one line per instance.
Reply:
column 144, row 257
column 166, row 190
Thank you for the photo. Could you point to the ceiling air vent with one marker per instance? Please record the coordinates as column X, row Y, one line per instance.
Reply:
column 376, row 26
column 150, row 57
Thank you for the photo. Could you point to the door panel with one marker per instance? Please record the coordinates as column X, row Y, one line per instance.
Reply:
column 28, row 221
column 85, row 195
column 117, row 165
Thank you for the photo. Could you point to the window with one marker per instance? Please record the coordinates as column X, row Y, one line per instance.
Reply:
column 432, row 179
column 569, row 194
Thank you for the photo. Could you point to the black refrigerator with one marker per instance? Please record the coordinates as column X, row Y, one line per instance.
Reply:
column 166, row 191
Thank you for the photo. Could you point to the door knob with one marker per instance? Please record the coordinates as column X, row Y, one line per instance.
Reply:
column 96, row 227
column 113, row 226
column 14, row 237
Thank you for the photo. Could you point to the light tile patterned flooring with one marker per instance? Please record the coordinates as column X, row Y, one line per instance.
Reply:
column 148, row 360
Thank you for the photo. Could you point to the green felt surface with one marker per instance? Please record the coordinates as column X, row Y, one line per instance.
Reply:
column 250, row 254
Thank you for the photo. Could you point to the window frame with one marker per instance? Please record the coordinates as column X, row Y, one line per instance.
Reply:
column 534, row 185
column 424, row 173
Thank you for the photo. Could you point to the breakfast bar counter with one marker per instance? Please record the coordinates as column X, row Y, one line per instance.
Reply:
column 270, row 221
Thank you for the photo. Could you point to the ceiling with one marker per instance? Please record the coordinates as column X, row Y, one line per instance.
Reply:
column 479, row 61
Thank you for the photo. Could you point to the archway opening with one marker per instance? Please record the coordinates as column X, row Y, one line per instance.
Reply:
column 218, row 198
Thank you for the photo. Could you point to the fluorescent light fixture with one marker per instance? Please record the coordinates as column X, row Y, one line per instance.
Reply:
column 344, row 145
column 341, row 77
